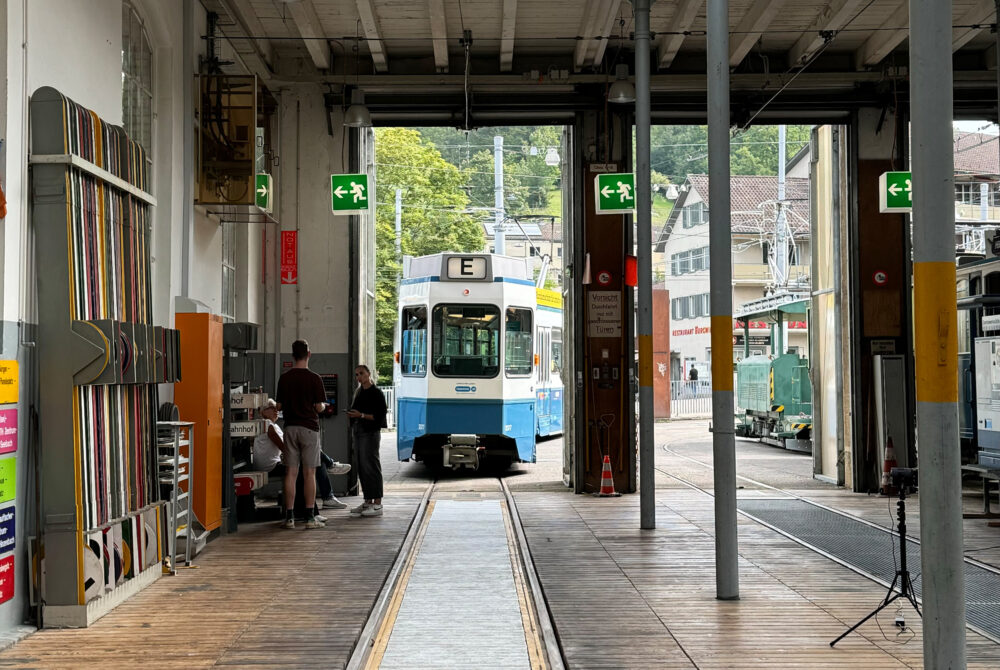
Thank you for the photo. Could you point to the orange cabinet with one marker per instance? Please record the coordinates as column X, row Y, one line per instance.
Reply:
column 198, row 397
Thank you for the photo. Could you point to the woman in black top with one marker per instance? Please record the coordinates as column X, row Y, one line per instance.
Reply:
column 367, row 415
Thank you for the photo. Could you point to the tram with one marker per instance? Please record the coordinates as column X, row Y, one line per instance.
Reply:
column 478, row 361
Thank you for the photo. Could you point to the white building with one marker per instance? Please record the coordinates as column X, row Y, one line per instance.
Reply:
column 684, row 243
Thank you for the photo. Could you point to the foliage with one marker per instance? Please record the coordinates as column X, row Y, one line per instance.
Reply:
column 434, row 219
column 678, row 151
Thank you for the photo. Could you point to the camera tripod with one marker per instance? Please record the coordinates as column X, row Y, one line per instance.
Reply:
column 902, row 574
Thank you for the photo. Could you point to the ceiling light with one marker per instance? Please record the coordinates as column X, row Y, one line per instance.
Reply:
column 357, row 115
column 622, row 91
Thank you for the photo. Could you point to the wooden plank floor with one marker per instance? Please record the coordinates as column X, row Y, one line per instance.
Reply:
column 265, row 597
column 625, row 598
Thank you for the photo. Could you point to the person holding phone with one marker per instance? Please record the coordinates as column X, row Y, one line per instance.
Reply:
column 367, row 414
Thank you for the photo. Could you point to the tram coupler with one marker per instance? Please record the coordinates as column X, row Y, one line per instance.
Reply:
column 461, row 451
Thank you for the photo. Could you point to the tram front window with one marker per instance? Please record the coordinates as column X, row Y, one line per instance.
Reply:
column 466, row 340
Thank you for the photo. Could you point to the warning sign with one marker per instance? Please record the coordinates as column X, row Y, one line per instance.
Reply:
column 289, row 257
column 604, row 314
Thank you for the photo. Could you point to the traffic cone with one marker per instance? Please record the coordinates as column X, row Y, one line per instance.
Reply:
column 887, row 465
column 607, row 481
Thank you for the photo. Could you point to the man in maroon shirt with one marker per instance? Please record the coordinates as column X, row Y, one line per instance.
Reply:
column 301, row 398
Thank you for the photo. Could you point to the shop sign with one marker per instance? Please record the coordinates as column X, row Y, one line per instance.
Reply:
column 8, row 431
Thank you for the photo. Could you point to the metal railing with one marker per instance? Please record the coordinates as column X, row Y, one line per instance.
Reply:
column 690, row 398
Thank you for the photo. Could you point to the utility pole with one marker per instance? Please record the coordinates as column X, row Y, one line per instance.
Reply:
column 399, row 229
column 499, row 242
column 780, row 237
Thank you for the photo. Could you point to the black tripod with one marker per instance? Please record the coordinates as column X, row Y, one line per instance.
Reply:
column 902, row 574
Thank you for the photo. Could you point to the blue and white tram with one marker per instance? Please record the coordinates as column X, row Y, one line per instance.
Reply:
column 468, row 385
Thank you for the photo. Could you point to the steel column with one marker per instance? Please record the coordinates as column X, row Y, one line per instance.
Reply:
column 727, row 576
column 935, row 336
column 644, row 243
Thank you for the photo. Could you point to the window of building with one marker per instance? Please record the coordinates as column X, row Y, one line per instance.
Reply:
column 694, row 215
column 228, row 271
column 967, row 194
column 137, row 80
column 559, row 252
column 684, row 262
column 517, row 341
column 466, row 340
column 413, row 341
column 765, row 249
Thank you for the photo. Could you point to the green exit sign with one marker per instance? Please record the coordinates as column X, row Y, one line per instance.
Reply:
column 349, row 193
column 895, row 192
column 615, row 192
column 263, row 186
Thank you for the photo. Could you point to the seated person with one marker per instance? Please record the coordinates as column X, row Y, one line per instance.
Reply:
column 269, row 446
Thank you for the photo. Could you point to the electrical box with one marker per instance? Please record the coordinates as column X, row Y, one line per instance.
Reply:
column 227, row 139
column 891, row 416
column 987, row 352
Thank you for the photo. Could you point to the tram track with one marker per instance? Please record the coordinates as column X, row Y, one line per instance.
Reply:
column 539, row 636
column 783, row 493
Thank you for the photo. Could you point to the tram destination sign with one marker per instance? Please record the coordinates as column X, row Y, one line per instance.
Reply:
column 349, row 194
column 615, row 193
column 895, row 193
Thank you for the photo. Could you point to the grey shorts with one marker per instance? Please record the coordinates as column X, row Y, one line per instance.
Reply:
column 301, row 447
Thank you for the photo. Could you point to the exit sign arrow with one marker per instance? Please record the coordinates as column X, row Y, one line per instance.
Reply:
column 895, row 192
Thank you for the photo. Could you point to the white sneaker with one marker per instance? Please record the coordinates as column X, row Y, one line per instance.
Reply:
column 333, row 503
column 339, row 468
column 314, row 523
column 288, row 523
column 320, row 518
column 356, row 511
column 372, row 510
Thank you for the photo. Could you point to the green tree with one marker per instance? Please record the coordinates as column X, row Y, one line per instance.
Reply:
column 434, row 219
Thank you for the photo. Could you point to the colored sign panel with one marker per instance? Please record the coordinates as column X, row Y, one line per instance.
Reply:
column 8, row 431
column 7, row 529
column 615, row 192
column 289, row 257
column 9, row 383
column 263, row 186
column 349, row 193
column 548, row 298
column 604, row 313
column 8, row 470
column 895, row 192
column 6, row 579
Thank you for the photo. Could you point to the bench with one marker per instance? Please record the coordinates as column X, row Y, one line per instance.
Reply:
column 990, row 476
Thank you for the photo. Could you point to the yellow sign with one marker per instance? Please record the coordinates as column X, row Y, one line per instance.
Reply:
column 8, row 382
column 547, row 298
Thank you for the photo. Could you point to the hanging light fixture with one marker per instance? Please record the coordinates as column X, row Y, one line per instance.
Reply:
column 551, row 157
column 357, row 115
column 622, row 91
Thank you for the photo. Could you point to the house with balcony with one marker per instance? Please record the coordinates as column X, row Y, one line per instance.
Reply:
column 755, row 213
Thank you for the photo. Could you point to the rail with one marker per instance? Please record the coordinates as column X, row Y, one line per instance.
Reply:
column 690, row 399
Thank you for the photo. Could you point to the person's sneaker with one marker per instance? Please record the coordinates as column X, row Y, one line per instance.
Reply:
column 372, row 510
column 333, row 503
column 356, row 511
column 320, row 518
column 314, row 523
column 339, row 468
column 288, row 523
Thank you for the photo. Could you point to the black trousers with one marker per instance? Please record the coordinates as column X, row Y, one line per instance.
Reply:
column 369, row 463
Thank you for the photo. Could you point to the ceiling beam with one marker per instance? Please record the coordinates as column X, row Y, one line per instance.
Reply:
column 246, row 18
column 606, row 27
column 980, row 14
column 889, row 35
column 507, row 35
column 304, row 15
column 369, row 22
column 439, row 34
column 587, row 23
column 754, row 23
column 667, row 46
column 833, row 17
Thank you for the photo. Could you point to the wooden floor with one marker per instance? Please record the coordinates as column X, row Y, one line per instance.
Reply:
column 265, row 597
column 619, row 597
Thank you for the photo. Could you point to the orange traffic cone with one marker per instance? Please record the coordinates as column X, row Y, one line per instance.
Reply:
column 887, row 465
column 607, row 481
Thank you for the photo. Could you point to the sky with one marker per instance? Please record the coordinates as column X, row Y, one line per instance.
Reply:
column 977, row 127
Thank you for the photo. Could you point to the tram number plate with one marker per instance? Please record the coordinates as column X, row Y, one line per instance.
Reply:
column 467, row 267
